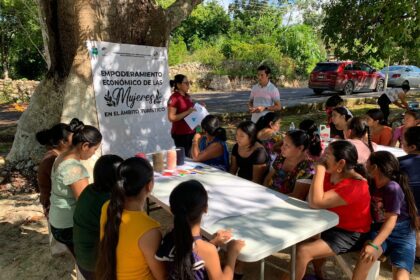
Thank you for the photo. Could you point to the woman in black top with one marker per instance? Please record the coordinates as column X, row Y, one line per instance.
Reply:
column 249, row 158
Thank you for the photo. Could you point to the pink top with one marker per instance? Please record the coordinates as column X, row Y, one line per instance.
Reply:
column 398, row 135
column 362, row 148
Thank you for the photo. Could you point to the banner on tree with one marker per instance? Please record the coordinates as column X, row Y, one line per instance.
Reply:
column 131, row 85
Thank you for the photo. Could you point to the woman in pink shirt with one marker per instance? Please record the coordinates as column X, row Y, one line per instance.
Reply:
column 410, row 119
column 358, row 133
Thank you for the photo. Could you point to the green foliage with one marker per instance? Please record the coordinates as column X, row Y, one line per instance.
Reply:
column 21, row 42
column 177, row 51
column 373, row 29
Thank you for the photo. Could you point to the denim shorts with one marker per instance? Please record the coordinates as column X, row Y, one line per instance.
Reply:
column 400, row 246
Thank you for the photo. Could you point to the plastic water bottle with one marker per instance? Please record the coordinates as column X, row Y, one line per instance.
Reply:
column 292, row 126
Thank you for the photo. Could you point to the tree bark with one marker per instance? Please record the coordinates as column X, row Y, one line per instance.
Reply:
column 67, row 91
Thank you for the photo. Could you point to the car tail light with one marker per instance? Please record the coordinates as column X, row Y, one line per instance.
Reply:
column 396, row 75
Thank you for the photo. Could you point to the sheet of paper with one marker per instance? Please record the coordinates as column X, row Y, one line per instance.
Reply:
column 194, row 119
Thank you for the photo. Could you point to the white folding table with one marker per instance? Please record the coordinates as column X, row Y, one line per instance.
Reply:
column 266, row 220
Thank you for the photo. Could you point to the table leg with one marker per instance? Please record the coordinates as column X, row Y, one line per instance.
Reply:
column 262, row 267
column 293, row 263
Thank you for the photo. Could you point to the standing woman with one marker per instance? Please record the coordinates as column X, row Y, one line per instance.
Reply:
column 57, row 140
column 249, row 158
column 69, row 178
column 129, row 237
column 381, row 134
column 180, row 105
column 210, row 146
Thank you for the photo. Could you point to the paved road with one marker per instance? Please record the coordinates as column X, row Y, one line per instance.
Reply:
column 222, row 102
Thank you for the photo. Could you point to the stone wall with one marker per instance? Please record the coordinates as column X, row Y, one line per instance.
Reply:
column 19, row 91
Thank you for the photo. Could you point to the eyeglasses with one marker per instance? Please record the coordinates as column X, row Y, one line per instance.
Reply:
column 187, row 83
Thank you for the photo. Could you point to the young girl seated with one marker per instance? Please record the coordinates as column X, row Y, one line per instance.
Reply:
column 130, row 238
column 358, row 133
column 315, row 148
column 395, row 218
column 410, row 120
column 268, row 127
column 410, row 164
column 381, row 134
column 291, row 165
column 249, row 158
column 87, row 213
column 188, row 255
column 339, row 187
column 340, row 116
column 210, row 147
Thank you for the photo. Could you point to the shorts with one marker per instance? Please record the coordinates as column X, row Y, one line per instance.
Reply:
column 400, row 246
column 342, row 241
column 63, row 235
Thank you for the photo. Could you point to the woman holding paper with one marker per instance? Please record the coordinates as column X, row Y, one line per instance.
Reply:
column 180, row 105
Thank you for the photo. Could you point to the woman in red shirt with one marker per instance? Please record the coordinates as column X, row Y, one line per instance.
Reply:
column 180, row 105
column 339, row 187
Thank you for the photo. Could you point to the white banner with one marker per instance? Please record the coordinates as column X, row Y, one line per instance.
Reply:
column 131, row 86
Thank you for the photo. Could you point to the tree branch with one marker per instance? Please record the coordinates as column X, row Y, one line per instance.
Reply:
column 178, row 11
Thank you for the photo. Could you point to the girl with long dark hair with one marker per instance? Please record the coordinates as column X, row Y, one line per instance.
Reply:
column 180, row 105
column 209, row 146
column 268, row 127
column 69, row 178
column 381, row 134
column 292, row 164
column 394, row 216
column 88, row 213
column 338, row 185
column 358, row 133
column 249, row 158
column 311, row 129
column 339, row 117
column 188, row 255
column 57, row 140
column 129, row 238
column 410, row 164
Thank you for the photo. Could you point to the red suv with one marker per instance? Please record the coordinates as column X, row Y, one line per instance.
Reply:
column 346, row 77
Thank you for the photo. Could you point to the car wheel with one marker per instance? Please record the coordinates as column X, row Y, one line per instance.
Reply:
column 317, row 91
column 405, row 83
column 380, row 85
column 348, row 88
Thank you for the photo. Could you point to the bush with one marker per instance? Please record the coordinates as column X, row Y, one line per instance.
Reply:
column 177, row 52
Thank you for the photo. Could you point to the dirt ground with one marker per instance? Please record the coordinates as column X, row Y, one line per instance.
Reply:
column 25, row 250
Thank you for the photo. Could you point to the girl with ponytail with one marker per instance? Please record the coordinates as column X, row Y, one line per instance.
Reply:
column 315, row 147
column 69, row 178
column 209, row 146
column 57, row 140
column 268, row 127
column 339, row 187
column 291, row 165
column 189, row 257
column 358, row 133
column 339, row 117
column 129, row 238
column 394, row 216
column 381, row 134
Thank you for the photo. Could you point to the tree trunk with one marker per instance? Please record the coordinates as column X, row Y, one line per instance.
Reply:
column 67, row 91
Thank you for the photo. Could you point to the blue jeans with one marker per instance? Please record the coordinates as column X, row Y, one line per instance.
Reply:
column 400, row 246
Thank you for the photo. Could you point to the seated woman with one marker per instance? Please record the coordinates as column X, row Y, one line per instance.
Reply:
column 57, row 140
column 187, row 254
column 293, row 164
column 130, row 238
column 210, row 147
column 339, row 187
column 358, row 133
column 410, row 164
column 69, row 178
column 268, row 127
column 394, row 214
column 340, row 116
column 381, row 134
column 249, row 158
column 411, row 119
column 315, row 149
column 87, row 213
